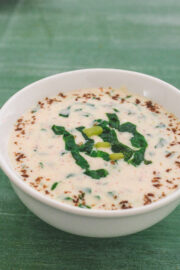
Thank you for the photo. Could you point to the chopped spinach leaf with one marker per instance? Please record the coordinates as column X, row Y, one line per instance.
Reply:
column 69, row 140
column 70, row 145
column 97, row 197
column 64, row 115
column 80, row 129
column 65, row 112
column 124, row 149
column 87, row 146
column 105, row 130
column 68, row 198
column 54, row 186
column 138, row 157
column 88, row 190
column 116, row 110
column 128, row 127
column 111, row 193
column 80, row 160
column 34, row 111
column 113, row 120
column 102, row 123
column 84, row 205
column 97, row 174
column 160, row 125
column 70, row 175
column 86, row 114
column 147, row 162
column 78, row 110
column 100, row 154
column 130, row 112
column 41, row 164
column 138, row 140
column 63, row 153
column 161, row 143
column 90, row 104
column 58, row 130
column 109, row 135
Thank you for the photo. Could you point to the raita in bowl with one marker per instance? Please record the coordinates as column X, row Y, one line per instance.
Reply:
column 90, row 157
column 99, row 148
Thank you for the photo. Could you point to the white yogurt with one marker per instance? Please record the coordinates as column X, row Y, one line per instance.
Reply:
column 40, row 157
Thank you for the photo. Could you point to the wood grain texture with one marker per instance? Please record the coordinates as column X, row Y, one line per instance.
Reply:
column 40, row 38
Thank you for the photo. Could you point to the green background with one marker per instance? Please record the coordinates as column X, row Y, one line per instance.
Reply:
column 40, row 38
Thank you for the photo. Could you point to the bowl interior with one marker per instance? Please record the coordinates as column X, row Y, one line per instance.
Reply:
column 152, row 88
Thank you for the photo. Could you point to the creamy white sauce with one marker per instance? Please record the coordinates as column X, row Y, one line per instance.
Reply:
column 40, row 157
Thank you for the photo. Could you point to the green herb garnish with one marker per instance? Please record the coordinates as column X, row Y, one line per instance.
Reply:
column 97, row 174
column 41, row 164
column 160, row 125
column 147, row 162
column 70, row 175
column 80, row 160
column 111, row 193
column 83, row 206
column 68, row 198
column 65, row 112
column 116, row 110
column 58, row 130
column 87, row 146
column 88, row 190
column 33, row 111
column 113, row 120
column 161, row 143
column 100, row 154
column 106, row 130
column 70, row 145
column 134, row 157
column 97, row 197
column 63, row 153
column 86, row 114
column 78, row 110
column 54, row 186
column 90, row 104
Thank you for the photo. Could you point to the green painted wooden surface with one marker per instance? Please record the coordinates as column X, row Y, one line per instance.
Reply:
column 40, row 38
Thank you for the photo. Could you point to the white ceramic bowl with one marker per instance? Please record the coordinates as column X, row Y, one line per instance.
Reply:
column 94, row 223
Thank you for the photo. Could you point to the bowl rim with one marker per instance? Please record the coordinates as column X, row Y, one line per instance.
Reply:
column 17, row 181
